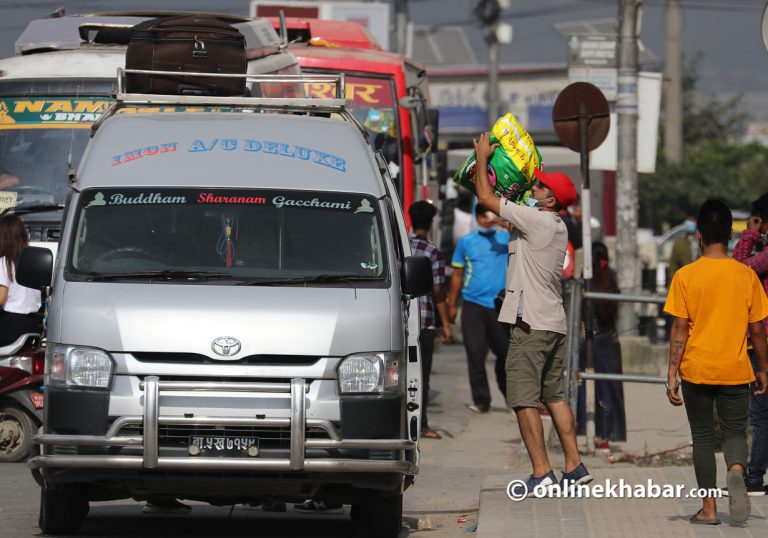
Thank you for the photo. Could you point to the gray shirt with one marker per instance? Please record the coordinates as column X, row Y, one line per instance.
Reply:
column 536, row 255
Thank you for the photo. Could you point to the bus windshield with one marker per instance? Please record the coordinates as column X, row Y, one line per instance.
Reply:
column 38, row 137
column 373, row 102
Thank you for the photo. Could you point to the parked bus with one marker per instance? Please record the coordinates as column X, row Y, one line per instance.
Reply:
column 388, row 92
column 60, row 82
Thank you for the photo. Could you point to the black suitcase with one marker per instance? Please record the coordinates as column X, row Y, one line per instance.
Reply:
column 192, row 44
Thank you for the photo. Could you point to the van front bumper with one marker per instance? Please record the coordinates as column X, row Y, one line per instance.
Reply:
column 147, row 448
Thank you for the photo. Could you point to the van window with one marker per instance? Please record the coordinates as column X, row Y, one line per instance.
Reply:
column 235, row 235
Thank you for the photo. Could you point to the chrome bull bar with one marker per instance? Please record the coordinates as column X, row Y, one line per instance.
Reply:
column 151, row 420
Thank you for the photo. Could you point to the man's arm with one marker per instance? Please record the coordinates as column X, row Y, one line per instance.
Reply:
column 760, row 347
column 442, row 311
column 457, row 278
column 677, row 340
column 485, row 196
column 3, row 295
column 744, row 249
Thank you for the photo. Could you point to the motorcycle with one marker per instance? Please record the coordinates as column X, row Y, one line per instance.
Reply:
column 21, row 396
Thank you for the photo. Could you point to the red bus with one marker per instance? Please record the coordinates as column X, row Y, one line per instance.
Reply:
column 376, row 84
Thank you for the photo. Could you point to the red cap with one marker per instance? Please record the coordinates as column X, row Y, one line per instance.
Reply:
column 560, row 185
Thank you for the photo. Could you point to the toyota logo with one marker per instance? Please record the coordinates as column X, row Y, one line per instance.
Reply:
column 226, row 346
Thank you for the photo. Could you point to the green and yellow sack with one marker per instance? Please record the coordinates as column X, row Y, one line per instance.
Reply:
column 510, row 168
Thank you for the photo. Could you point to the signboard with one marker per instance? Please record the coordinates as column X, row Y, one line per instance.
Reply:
column 603, row 77
column 359, row 90
column 594, row 50
column 375, row 17
column 46, row 112
column 649, row 104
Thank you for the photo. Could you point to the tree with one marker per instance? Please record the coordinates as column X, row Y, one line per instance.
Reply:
column 715, row 163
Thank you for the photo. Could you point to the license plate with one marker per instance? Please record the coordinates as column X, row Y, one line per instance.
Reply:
column 224, row 446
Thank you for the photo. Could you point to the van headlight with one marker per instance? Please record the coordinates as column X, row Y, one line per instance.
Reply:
column 371, row 373
column 74, row 366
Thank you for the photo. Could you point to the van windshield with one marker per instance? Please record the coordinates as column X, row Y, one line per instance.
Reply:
column 233, row 235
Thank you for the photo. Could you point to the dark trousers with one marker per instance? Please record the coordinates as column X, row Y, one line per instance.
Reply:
column 732, row 403
column 14, row 325
column 758, row 418
column 427, row 348
column 482, row 330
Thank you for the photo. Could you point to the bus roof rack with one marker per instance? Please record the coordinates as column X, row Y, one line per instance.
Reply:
column 305, row 105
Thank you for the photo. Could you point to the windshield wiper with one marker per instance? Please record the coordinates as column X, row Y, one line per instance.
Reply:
column 159, row 275
column 37, row 208
column 310, row 280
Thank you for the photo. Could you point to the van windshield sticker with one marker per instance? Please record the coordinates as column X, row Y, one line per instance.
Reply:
column 271, row 147
column 136, row 198
column 281, row 201
column 346, row 203
column 365, row 207
column 8, row 199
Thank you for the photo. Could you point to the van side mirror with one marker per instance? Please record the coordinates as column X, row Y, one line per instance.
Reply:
column 35, row 268
column 417, row 276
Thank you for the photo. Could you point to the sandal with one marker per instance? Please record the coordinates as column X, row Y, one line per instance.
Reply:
column 430, row 434
column 696, row 520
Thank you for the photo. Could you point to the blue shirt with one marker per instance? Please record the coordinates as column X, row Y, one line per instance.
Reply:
column 483, row 256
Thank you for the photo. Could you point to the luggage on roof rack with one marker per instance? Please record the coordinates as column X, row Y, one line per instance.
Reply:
column 186, row 48
column 336, row 106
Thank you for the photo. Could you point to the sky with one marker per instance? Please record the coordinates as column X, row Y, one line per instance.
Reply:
column 726, row 32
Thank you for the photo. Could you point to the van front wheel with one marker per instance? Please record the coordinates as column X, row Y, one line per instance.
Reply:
column 62, row 509
column 378, row 514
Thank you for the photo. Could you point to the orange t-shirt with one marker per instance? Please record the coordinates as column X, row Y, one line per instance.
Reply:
column 719, row 297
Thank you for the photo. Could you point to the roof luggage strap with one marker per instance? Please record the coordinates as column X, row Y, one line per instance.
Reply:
column 306, row 105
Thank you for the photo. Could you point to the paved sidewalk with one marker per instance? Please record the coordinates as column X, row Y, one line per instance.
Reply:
column 464, row 475
column 548, row 517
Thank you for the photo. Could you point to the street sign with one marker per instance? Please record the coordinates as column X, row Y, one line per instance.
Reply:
column 592, row 50
column 581, row 102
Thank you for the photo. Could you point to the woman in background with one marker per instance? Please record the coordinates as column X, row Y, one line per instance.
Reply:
column 610, row 419
column 19, row 304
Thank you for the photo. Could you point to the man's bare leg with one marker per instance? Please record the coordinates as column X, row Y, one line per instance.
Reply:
column 532, row 432
column 565, row 425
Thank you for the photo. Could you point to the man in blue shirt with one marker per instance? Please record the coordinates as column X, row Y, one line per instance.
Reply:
column 479, row 271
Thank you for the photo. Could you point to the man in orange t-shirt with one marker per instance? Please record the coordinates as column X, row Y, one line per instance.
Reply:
column 713, row 301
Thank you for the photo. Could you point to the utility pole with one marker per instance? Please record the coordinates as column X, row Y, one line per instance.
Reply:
column 401, row 26
column 488, row 11
column 626, row 169
column 673, row 104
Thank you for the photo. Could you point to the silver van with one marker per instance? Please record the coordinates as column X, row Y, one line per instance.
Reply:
column 230, row 314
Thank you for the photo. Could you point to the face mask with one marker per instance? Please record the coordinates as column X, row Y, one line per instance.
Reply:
column 531, row 201
column 689, row 226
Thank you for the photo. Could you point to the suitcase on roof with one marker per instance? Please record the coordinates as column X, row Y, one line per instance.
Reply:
column 186, row 44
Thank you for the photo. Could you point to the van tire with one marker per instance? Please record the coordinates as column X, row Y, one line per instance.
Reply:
column 378, row 514
column 62, row 509
column 16, row 431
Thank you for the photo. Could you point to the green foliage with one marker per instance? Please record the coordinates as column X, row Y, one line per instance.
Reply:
column 715, row 164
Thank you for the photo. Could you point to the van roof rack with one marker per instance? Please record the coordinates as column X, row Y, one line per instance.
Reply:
column 306, row 105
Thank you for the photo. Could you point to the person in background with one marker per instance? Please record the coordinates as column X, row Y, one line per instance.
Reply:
column 685, row 249
column 479, row 265
column 20, row 305
column 610, row 417
column 422, row 214
column 750, row 250
column 533, row 305
column 715, row 301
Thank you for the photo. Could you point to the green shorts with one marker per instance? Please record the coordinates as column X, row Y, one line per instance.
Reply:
column 534, row 367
